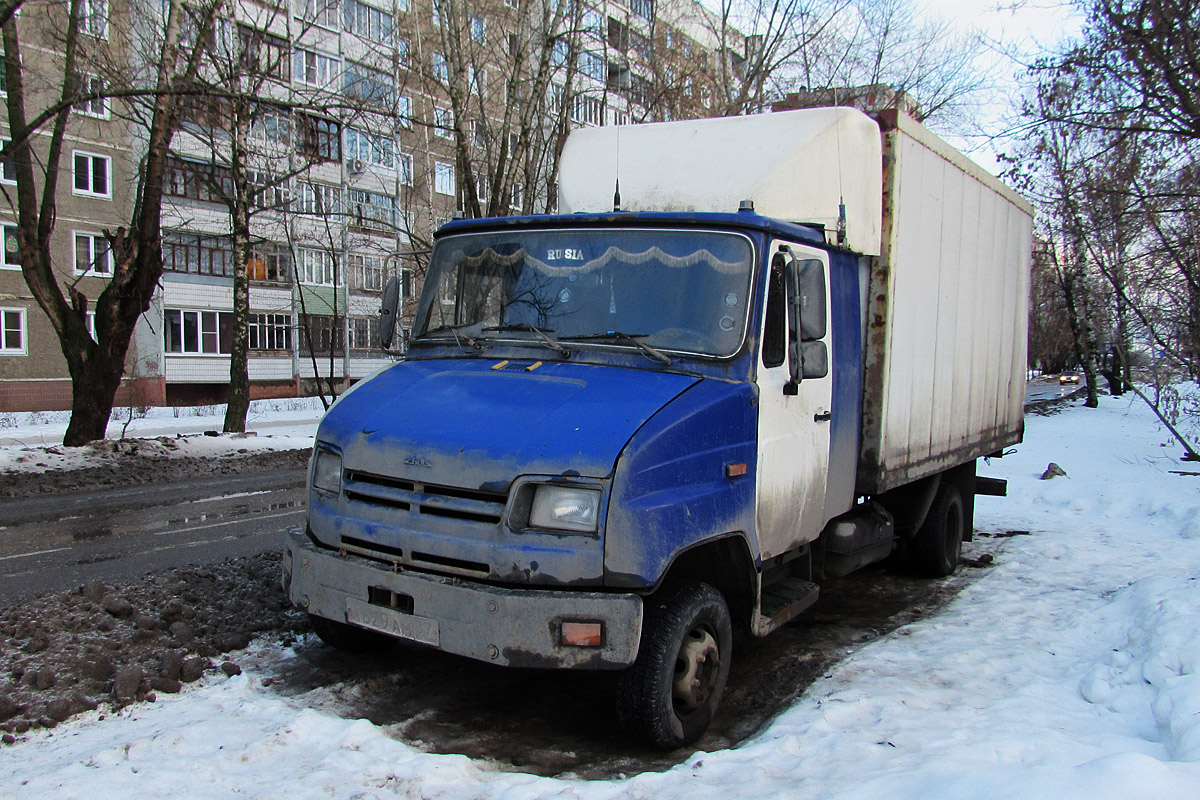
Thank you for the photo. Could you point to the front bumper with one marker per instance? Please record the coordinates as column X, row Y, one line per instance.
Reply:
column 512, row 627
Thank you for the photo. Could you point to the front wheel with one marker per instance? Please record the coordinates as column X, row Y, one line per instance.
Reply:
column 669, row 695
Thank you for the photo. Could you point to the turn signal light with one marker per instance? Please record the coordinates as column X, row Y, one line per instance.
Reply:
column 583, row 634
column 735, row 470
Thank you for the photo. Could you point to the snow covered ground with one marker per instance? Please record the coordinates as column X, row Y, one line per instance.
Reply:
column 1070, row 669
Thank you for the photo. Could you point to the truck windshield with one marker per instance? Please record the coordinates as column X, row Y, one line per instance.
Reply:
column 684, row 291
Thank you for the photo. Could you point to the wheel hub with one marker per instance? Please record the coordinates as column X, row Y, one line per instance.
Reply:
column 696, row 669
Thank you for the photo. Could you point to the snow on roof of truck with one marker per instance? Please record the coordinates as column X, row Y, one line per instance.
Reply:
column 795, row 165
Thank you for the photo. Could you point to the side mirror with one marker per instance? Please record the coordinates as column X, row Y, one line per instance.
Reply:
column 807, row 323
column 387, row 313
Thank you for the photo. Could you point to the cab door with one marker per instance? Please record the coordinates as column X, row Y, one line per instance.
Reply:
column 795, row 388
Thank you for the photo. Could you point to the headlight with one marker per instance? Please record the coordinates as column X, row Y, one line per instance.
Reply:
column 327, row 471
column 565, row 508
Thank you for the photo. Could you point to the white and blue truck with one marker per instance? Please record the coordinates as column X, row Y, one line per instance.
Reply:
column 620, row 432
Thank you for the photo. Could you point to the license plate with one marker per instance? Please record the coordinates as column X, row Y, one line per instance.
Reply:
column 405, row 626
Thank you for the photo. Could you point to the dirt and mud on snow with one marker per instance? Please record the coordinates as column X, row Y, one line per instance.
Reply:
column 108, row 646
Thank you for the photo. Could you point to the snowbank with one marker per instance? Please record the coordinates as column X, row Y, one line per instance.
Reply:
column 1071, row 669
column 32, row 441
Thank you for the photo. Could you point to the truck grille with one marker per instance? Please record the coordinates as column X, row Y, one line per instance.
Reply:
column 469, row 505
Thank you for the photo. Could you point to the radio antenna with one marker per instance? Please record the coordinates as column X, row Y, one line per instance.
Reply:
column 617, row 191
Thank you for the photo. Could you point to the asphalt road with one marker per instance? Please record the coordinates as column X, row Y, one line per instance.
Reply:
column 55, row 542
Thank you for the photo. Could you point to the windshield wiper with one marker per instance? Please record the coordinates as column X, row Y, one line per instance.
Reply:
column 544, row 335
column 629, row 338
column 459, row 335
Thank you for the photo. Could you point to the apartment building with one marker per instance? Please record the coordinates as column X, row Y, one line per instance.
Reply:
column 356, row 127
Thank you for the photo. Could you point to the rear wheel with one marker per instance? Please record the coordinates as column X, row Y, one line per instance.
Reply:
column 937, row 545
column 349, row 638
column 669, row 695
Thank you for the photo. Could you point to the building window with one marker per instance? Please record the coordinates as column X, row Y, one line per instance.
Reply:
column 402, row 53
column 12, row 248
column 270, row 331
column 369, row 148
column 197, row 253
column 443, row 122
column 406, row 169
column 97, row 104
column 321, row 335
column 364, row 333
column 317, row 267
column 269, row 262
column 593, row 66
column 443, row 178
column 441, row 68
column 271, row 124
column 8, row 167
column 404, row 111
column 188, row 332
column 314, row 69
column 368, row 84
column 93, row 175
column 478, row 28
column 12, row 332
column 366, row 273
column 318, row 198
column 197, row 180
column 92, row 254
column 321, row 138
column 263, row 54
column 371, row 210
column 321, row 12
column 93, row 18
column 367, row 21
column 587, row 110
column 643, row 8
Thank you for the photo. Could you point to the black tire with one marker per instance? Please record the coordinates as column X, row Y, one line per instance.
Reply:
column 937, row 545
column 349, row 638
column 669, row 695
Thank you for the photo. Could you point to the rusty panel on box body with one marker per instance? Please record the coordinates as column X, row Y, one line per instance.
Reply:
column 947, row 314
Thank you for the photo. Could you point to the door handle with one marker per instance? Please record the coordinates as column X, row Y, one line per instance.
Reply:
column 824, row 416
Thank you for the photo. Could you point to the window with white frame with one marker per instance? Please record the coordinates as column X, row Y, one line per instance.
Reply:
column 318, row 198
column 587, row 110
column 93, row 18
column 197, row 332
column 371, row 210
column 366, row 272
column 478, row 29
column 93, row 175
column 12, row 332
column 404, row 111
column 89, row 320
column 443, row 177
column 317, row 267
column 97, row 104
column 314, row 69
column 402, row 53
column 477, row 80
column 12, row 248
column 406, row 169
column 367, row 21
column 593, row 66
column 370, row 148
column 443, row 122
column 92, row 254
column 364, row 333
column 441, row 68
column 8, row 167
column 368, row 84
column 270, row 331
column 325, row 13
column 271, row 124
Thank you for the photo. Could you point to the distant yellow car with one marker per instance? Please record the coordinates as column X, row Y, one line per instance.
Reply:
column 1068, row 377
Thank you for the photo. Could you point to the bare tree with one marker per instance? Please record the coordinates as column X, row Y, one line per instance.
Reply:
column 96, row 365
